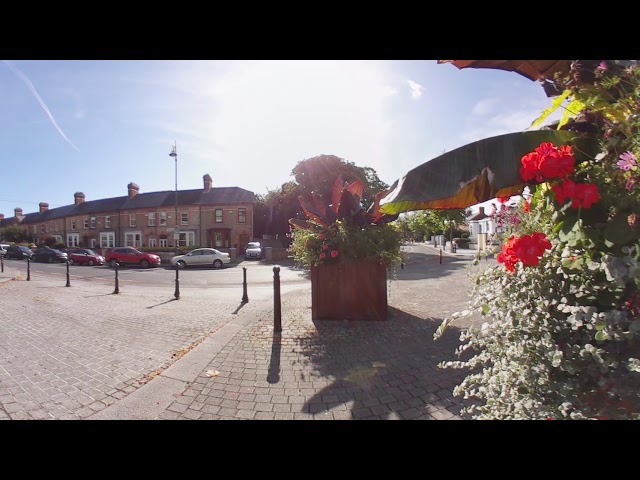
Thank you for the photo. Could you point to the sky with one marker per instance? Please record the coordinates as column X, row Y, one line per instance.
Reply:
column 94, row 126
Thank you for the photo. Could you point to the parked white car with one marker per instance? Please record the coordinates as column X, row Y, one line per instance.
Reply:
column 3, row 249
column 202, row 257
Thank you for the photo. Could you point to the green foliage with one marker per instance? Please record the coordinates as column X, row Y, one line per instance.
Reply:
column 424, row 223
column 562, row 340
column 14, row 233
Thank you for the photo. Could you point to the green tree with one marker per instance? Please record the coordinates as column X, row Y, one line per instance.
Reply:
column 14, row 233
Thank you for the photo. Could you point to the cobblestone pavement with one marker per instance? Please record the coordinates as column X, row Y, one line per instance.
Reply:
column 74, row 353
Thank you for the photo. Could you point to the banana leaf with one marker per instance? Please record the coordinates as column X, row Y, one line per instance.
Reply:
column 476, row 172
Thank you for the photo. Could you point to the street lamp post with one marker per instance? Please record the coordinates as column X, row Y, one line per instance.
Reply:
column 176, row 234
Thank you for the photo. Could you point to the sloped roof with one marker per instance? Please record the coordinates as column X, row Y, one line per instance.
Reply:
column 216, row 196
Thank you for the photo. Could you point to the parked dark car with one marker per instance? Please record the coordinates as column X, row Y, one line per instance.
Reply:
column 19, row 252
column 50, row 255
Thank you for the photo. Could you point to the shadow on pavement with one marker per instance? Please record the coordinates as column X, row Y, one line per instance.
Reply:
column 382, row 368
column 274, row 363
column 419, row 266
column 163, row 303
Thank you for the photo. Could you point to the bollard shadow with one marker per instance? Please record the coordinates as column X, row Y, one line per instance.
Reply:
column 242, row 304
column 163, row 303
column 384, row 370
column 273, row 376
column 100, row 295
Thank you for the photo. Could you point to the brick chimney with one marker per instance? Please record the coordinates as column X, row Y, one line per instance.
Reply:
column 1, row 216
column 207, row 182
column 17, row 212
column 44, row 206
column 78, row 198
column 133, row 189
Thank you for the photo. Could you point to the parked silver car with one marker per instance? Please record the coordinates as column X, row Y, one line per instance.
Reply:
column 254, row 250
column 202, row 257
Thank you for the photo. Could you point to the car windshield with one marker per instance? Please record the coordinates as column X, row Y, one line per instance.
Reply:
column 253, row 245
column 135, row 252
column 25, row 249
column 89, row 252
column 54, row 250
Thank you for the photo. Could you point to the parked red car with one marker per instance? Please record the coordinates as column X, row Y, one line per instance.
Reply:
column 85, row 256
column 131, row 256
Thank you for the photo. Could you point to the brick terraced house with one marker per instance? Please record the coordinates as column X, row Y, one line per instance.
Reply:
column 209, row 217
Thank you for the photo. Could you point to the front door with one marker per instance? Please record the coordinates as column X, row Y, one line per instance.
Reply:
column 242, row 247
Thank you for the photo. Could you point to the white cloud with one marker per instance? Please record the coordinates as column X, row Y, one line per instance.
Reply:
column 484, row 106
column 389, row 91
column 416, row 89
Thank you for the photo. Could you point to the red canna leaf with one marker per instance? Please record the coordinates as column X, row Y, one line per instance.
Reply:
column 311, row 212
column 357, row 189
column 336, row 193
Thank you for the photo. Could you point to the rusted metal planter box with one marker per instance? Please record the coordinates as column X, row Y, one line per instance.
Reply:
column 349, row 291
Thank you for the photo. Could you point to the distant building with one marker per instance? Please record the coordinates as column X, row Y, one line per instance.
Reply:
column 209, row 217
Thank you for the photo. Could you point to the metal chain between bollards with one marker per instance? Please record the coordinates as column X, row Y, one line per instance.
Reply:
column 245, row 297
column 277, row 310
column 117, row 289
column 68, row 279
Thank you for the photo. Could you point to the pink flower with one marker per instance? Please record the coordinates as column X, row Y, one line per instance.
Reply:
column 602, row 66
column 321, row 236
column 323, row 255
column 334, row 253
column 325, row 246
column 631, row 183
column 627, row 160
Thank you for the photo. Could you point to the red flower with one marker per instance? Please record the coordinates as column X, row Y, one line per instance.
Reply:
column 527, row 205
column 528, row 249
column 323, row 255
column 321, row 236
column 507, row 255
column 334, row 253
column 566, row 161
column 546, row 148
column 587, row 195
column 529, row 168
column 503, row 199
column 550, row 165
column 325, row 246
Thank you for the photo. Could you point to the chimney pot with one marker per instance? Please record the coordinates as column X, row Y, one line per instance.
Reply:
column 78, row 198
column 208, row 182
column 133, row 189
column 44, row 206
column 17, row 212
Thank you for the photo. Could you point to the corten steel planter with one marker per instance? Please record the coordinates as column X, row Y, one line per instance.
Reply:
column 349, row 291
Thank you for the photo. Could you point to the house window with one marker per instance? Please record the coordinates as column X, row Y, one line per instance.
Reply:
column 42, row 228
column 93, row 222
column 73, row 239
column 187, row 238
column 218, row 215
column 86, row 223
column 132, row 239
column 93, row 243
column 164, row 243
column 107, row 221
column 242, row 215
column 35, row 230
column 152, row 220
column 56, row 226
column 152, row 242
column 132, row 222
column 184, row 218
column 107, row 240
column 73, row 224
column 163, row 218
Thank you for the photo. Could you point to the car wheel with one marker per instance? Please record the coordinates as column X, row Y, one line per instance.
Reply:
column 217, row 264
column 90, row 263
column 113, row 263
column 144, row 264
column 181, row 263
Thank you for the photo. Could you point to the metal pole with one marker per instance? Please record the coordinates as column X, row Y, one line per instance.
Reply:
column 2, row 262
column 177, row 292
column 28, row 269
column 117, row 289
column 68, row 279
column 176, row 235
column 277, row 312
column 440, row 254
column 245, row 297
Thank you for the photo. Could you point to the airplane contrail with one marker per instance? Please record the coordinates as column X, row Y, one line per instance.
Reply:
column 26, row 80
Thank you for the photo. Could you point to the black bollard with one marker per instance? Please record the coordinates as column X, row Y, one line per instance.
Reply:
column 2, row 262
column 68, row 279
column 177, row 292
column 117, row 289
column 245, row 297
column 28, row 269
column 440, row 255
column 277, row 311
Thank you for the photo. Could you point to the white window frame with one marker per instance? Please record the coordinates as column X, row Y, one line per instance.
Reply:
column 42, row 228
column 92, row 223
column 73, row 239
column 184, row 215
column 58, row 238
column 133, row 239
column 152, row 219
column 86, row 223
column 152, row 242
column 93, row 243
column 107, row 221
column 73, row 225
column 163, row 218
column 215, row 215
column 245, row 215
column 164, row 242
column 107, row 239
column 132, row 219
column 187, row 238
column 56, row 228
